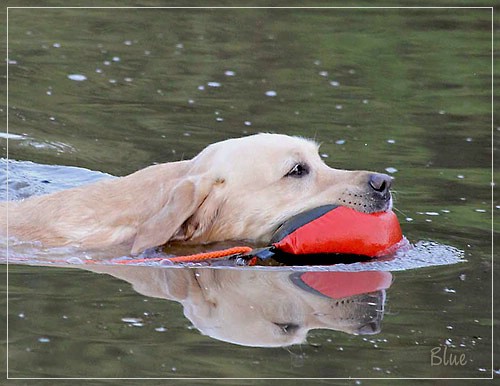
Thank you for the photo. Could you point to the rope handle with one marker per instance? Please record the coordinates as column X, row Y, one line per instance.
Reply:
column 192, row 258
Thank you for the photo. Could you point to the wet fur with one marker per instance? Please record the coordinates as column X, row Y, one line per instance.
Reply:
column 238, row 189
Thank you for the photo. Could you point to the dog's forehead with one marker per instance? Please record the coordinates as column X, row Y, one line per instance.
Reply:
column 264, row 145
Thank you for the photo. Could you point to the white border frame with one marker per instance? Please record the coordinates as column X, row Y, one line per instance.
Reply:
column 262, row 7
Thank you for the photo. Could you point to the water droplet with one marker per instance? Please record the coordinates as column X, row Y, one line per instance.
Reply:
column 77, row 77
column 131, row 320
column 271, row 93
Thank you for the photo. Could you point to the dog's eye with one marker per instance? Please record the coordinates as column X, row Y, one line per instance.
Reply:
column 298, row 171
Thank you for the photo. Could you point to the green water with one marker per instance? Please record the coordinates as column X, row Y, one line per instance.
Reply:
column 407, row 91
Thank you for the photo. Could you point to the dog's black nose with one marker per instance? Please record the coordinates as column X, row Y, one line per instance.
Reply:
column 380, row 182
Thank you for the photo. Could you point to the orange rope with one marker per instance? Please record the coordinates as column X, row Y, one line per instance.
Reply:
column 192, row 258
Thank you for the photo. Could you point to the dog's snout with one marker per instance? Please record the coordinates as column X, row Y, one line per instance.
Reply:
column 380, row 182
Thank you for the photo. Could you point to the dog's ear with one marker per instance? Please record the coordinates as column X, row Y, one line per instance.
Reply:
column 183, row 201
column 203, row 219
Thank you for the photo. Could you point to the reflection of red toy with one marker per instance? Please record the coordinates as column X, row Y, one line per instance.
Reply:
column 339, row 285
column 341, row 230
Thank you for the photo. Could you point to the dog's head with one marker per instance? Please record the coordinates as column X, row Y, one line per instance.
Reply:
column 245, row 188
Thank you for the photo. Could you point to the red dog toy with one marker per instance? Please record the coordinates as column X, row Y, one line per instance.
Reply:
column 313, row 237
column 334, row 229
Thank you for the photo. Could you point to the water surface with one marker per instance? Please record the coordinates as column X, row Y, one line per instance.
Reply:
column 401, row 91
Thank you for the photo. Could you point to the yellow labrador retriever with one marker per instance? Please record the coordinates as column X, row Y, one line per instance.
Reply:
column 238, row 189
column 235, row 305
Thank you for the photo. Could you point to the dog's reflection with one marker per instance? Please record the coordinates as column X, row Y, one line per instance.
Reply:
column 265, row 308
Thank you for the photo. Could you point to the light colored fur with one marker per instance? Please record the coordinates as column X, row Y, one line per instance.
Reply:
column 253, row 308
column 233, row 190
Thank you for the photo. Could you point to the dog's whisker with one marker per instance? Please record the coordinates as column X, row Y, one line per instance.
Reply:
column 399, row 211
